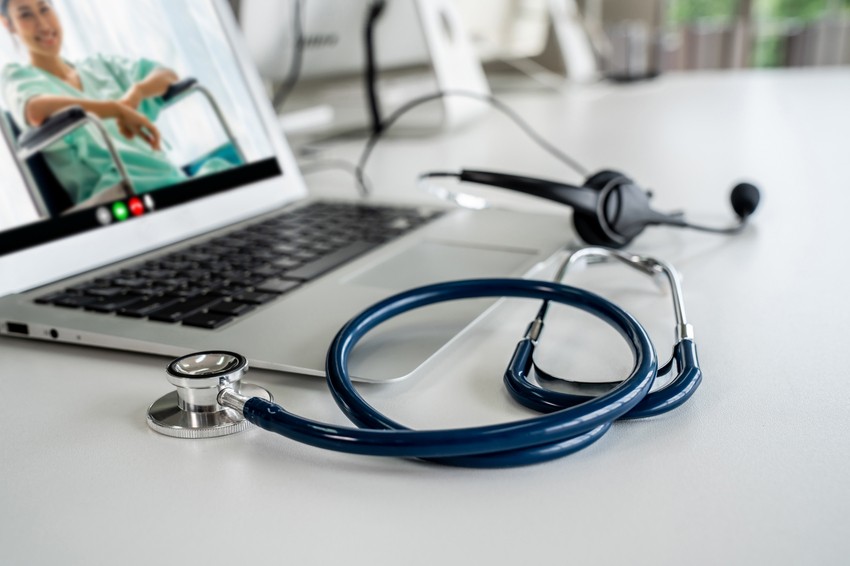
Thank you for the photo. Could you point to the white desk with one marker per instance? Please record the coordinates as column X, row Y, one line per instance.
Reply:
column 752, row 470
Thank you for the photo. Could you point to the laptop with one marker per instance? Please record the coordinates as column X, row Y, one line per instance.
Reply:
column 220, row 247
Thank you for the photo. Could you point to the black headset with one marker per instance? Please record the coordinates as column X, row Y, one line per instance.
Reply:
column 609, row 209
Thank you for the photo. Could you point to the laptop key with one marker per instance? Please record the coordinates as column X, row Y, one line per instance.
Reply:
column 158, row 274
column 112, row 304
column 255, row 298
column 276, row 286
column 188, row 292
column 286, row 263
column 306, row 256
column 74, row 301
column 231, row 308
column 324, row 264
column 131, row 282
column 208, row 320
column 81, row 288
column 50, row 297
column 184, row 309
column 285, row 248
column 267, row 270
column 105, row 291
column 147, row 306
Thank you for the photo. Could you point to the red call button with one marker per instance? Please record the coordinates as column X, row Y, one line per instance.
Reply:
column 136, row 206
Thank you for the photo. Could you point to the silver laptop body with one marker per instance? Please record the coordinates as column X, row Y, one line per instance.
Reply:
column 293, row 332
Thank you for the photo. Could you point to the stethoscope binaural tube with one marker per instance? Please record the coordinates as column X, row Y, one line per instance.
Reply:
column 684, row 357
column 542, row 438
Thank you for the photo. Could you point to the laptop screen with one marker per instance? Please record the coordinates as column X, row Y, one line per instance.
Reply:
column 115, row 109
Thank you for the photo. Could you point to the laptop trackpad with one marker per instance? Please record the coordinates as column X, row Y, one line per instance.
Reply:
column 398, row 347
column 432, row 262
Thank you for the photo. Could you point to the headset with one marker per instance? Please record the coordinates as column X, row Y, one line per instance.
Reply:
column 609, row 209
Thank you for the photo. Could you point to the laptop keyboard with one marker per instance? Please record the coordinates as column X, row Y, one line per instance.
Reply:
column 214, row 282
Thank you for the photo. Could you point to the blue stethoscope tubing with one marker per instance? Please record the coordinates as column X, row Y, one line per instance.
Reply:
column 569, row 423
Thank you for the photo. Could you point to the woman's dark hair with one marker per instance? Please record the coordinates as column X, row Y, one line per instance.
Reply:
column 4, row 7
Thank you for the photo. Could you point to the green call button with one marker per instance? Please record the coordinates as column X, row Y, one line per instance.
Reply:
column 120, row 211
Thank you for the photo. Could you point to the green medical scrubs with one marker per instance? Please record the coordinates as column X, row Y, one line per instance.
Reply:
column 81, row 160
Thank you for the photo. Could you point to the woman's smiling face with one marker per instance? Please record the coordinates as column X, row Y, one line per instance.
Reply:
column 37, row 24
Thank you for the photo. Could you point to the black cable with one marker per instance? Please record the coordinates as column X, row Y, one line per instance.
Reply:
column 442, row 174
column 370, row 78
column 332, row 164
column 493, row 101
column 288, row 85
column 731, row 230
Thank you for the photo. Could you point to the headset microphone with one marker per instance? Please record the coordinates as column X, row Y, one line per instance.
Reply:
column 745, row 199
column 609, row 209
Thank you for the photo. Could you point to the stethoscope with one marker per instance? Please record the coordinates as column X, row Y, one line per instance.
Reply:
column 211, row 400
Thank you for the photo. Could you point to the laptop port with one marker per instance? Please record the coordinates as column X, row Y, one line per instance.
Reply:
column 17, row 328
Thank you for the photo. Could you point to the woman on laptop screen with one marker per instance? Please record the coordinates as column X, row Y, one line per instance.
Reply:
column 125, row 94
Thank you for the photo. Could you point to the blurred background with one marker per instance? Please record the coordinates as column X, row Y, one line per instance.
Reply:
column 305, row 49
column 677, row 34
column 720, row 34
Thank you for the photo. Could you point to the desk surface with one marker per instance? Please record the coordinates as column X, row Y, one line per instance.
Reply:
column 752, row 470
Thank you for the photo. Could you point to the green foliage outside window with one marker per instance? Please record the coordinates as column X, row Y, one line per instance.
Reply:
column 766, row 15
column 688, row 11
column 789, row 13
column 803, row 10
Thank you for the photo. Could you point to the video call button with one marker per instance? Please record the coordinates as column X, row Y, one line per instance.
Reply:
column 120, row 211
column 103, row 215
column 136, row 206
column 149, row 203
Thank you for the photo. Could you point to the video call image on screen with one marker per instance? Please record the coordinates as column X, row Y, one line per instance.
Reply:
column 159, row 97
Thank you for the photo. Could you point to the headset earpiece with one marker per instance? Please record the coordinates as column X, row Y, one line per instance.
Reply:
column 588, row 226
column 623, row 209
column 588, row 229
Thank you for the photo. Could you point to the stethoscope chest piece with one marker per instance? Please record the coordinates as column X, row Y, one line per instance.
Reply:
column 194, row 410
